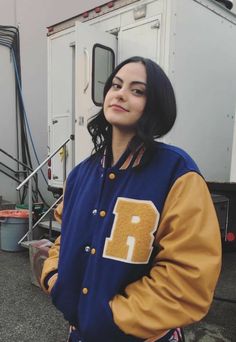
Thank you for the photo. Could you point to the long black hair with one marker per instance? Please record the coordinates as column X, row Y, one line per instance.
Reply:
column 158, row 116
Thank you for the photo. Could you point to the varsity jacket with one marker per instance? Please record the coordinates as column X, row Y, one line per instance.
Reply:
column 139, row 251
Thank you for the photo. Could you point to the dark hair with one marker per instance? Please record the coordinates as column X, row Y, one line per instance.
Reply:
column 159, row 113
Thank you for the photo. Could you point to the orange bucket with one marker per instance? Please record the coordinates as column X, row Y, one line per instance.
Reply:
column 14, row 225
column 14, row 213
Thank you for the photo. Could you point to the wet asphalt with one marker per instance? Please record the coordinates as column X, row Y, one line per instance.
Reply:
column 27, row 315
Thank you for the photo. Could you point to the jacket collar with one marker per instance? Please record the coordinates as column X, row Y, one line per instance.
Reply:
column 128, row 159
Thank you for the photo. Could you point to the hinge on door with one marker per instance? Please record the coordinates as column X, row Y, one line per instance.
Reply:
column 114, row 31
column 156, row 25
column 55, row 177
column 54, row 121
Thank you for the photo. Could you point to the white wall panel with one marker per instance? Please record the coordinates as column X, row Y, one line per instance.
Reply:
column 32, row 17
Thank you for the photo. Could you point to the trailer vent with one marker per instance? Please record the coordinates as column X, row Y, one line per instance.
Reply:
column 140, row 12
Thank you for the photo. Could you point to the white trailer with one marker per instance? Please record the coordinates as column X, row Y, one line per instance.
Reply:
column 195, row 43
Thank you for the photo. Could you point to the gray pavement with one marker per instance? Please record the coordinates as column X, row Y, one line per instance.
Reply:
column 27, row 315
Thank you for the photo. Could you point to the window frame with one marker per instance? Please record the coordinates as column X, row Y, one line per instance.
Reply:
column 94, row 66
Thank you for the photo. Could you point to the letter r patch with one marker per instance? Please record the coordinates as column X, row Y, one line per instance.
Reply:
column 132, row 231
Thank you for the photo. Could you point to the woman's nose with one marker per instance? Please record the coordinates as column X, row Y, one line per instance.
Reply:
column 121, row 93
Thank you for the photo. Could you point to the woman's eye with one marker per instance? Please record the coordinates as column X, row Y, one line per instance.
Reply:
column 116, row 86
column 138, row 92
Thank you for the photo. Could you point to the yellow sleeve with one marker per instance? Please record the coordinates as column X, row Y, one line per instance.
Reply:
column 59, row 209
column 51, row 263
column 179, row 289
column 58, row 212
column 50, row 266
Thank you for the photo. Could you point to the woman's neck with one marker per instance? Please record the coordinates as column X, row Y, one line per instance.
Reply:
column 120, row 141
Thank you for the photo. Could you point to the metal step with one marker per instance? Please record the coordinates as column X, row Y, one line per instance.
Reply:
column 26, row 244
column 55, row 225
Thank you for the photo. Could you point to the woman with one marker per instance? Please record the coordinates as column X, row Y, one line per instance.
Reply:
column 137, row 255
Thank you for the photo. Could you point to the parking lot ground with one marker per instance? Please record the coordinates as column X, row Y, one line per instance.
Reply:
column 27, row 315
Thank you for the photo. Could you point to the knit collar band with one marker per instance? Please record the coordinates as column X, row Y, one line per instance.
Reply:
column 129, row 159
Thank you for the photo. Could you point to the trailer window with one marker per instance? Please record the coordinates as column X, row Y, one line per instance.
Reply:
column 103, row 64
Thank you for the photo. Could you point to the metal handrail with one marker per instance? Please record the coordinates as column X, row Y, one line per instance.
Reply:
column 29, row 180
column 12, row 170
column 16, row 177
column 42, row 164
column 8, row 175
column 41, row 218
column 16, row 160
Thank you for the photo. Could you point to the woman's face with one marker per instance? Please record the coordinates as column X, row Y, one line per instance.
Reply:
column 125, row 101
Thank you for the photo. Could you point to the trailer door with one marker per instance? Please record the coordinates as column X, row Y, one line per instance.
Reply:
column 61, row 116
column 95, row 60
column 142, row 38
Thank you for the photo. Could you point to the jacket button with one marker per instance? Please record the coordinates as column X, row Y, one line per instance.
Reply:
column 112, row 176
column 94, row 212
column 102, row 213
column 87, row 249
column 93, row 251
column 85, row 290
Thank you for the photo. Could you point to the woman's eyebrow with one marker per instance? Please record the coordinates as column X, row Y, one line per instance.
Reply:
column 133, row 82
column 120, row 79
